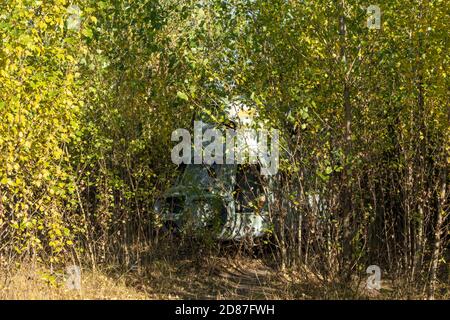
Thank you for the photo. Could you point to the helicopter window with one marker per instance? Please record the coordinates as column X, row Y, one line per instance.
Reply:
column 213, row 170
column 200, row 174
column 249, row 192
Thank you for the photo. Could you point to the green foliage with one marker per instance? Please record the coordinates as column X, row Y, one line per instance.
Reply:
column 88, row 115
column 40, row 105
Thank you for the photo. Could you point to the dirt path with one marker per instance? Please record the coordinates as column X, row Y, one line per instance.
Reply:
column 217, row 278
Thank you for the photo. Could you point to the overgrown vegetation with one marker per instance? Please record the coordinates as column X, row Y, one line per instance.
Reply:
column 87, row 117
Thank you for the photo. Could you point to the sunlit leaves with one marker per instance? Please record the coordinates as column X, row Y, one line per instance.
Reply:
column 38, row 90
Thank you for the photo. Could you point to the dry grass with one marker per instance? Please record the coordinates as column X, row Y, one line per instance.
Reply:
column 207, row 278
column 30, row 283
column 159, row 280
